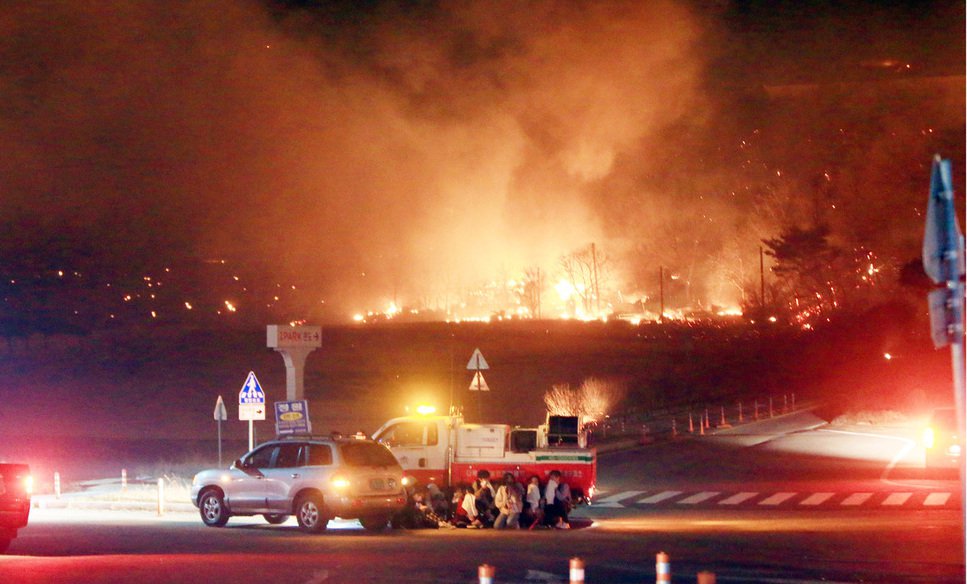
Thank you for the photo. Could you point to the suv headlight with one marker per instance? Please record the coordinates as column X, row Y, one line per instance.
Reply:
column 928, row 437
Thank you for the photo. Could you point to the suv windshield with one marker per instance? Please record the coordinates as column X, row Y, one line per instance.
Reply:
column 366, row 454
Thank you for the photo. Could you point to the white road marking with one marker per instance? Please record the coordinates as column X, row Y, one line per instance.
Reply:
column 936, row 499
column 612, row 501
column 896, row 499
column 738, row 498
column 856, row 499
column 698, row 498
column 664, row 495
column 817, row 499
column 778, row 499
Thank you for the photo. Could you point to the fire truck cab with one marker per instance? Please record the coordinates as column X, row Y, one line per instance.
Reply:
column 448, row 451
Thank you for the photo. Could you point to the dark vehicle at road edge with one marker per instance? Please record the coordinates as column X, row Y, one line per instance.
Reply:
column 16, row 485
column 942, row 446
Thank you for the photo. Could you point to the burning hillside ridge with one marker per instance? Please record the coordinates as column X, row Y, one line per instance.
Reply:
column 469, row 160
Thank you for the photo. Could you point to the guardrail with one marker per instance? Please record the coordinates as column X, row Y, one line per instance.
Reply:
column 698, row 420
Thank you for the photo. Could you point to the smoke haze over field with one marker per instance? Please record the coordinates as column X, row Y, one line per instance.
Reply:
column 415, row 148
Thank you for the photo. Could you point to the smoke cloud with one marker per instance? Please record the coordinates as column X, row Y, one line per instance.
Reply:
column 370, row 150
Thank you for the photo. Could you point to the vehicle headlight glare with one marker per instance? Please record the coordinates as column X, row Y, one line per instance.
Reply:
column 928, row 438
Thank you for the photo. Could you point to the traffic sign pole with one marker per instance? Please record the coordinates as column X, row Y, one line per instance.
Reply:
column 943, row 261
column 220, row 414
column 251, row 434
column 477, row 363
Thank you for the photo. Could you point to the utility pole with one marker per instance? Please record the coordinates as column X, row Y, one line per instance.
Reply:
column 661, row 293
column 762, row 279
column 597, row 295
column 540, row 292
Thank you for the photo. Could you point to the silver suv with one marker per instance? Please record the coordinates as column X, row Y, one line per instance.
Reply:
column 313, row 478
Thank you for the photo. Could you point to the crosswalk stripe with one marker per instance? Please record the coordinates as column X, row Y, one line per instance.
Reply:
column 698, row 498
column 896, row 499
column 936, row 499
column 660, row 497
column 778, row 498
column 738, row 498
column 817, row 499
column 856, row 499
column 612, row 501
column 890, row 499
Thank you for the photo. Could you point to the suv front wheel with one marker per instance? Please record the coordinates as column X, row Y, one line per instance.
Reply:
column 311, row 513
column 212, row 509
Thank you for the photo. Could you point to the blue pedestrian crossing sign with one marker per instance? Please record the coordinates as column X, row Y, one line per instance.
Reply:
column 251, row 399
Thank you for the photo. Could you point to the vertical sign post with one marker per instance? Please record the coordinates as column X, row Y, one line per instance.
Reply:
column 477, row 364
column 221, row 414
column 943, row 261
column 251, row 405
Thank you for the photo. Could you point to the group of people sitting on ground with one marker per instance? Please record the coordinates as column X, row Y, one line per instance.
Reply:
column 509, row 505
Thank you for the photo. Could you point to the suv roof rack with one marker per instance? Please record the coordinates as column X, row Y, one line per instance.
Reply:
column 334, row 435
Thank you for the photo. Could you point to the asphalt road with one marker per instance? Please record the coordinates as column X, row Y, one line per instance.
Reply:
column 781, row 501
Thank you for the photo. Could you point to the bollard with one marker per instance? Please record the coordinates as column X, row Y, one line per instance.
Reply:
column 740, row 413
column 674, row 428
column 124, row 479
column 691, row 425
column 161, row 497
column 701, row 428
column 486, row 574
column 770, row 407
column 793, row 401
column 723, row 422
column 663, row 571
column 755, row 405
column 707, row 424
column 706, row 578
column 785, row 403
column 577, row 571
column 57, row 485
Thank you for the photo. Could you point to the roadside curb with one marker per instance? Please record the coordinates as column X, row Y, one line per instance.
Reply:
column 85, row 504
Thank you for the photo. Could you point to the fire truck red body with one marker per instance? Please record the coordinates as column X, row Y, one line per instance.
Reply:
column 448, row 451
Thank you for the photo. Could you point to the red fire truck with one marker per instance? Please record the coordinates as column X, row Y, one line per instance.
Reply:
column 448, row 451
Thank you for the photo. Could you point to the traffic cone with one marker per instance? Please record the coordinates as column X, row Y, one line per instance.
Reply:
column 577, row 571
column 486, row 574
column 663, row 570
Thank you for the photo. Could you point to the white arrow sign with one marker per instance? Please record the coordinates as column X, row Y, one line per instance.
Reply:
column 477, row 361
column 479, row 383
column 221, row 414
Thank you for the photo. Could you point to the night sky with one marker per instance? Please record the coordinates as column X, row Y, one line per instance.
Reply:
column 377, row 150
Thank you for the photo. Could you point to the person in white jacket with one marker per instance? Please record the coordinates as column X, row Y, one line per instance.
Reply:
column 534, row 510
column 465, row 514
column 509, row 501
column 555, row 511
